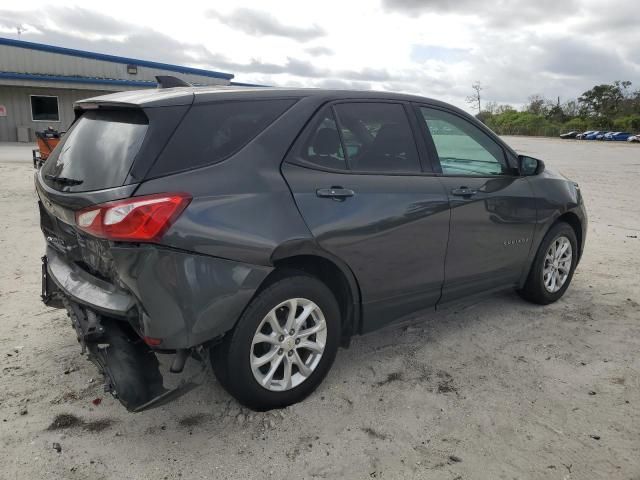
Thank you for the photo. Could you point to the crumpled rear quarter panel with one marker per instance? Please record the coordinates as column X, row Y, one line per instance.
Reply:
column 187, row 298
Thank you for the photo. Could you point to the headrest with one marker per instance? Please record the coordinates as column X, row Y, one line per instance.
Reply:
column 326, row 142
column 392, row 139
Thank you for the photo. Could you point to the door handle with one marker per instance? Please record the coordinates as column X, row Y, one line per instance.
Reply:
column 464, row 192
column 337, row 193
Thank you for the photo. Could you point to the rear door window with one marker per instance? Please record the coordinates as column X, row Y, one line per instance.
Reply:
column 97, row 152
column 377, row 137
column 212, row 132
column 322, row 146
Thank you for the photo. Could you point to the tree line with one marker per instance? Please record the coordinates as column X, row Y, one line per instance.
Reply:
column 610, row 107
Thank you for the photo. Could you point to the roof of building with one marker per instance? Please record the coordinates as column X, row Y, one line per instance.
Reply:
column 113, row 58
column 76, row 79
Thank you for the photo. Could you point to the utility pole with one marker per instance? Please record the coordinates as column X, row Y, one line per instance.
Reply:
column 19, row 29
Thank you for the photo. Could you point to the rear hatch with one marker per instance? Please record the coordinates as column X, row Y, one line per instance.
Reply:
column 91, row 165
column 98, row 151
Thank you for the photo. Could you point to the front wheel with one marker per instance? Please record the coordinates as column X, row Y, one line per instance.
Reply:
column 553, row 266
column 283, row 345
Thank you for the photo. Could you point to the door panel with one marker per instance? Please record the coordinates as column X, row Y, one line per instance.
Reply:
column 491, row 233
column 392, row 232
column 493, row 210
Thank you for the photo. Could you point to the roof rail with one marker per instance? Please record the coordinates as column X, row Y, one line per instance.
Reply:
column 168, row 81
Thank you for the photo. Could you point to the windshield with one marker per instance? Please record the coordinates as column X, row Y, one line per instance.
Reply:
column 97, row 152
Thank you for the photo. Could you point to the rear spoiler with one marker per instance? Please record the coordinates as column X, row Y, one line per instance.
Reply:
column 167, row 81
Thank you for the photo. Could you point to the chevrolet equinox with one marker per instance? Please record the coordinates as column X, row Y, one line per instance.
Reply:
column 256, row 230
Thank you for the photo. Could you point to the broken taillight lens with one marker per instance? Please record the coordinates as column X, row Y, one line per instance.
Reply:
column 136, row 219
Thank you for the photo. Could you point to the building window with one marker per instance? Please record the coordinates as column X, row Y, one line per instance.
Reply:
column 44, row 108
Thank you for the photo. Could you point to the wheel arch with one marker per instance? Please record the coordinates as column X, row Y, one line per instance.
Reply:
column 334, row 273
column 567, row 217
column 575, row 223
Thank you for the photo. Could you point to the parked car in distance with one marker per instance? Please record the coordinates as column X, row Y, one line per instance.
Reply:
column 594, row 135
column 261, row 228
column 581, row 136
column 568, row 135
column 634, row 138
column 617, row 136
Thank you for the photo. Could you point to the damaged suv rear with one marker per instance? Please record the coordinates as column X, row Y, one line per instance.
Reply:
column 141, row 216
column 254, row 230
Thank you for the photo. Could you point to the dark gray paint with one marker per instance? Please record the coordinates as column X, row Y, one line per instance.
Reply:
column 490, row 233
column 186, row 298
column 392, row 233
column 390, row 240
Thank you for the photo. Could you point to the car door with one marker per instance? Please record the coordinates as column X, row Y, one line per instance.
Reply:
column 493, row 211
column 357, row 179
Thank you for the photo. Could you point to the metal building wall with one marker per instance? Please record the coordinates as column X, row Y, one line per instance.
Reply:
column 18, row 105
column 25, row 60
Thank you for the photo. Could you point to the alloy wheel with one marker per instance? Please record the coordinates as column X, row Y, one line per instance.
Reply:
column 557, row 264
column 288, row 344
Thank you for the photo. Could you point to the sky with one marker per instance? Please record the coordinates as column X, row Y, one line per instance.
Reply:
column 434, row 48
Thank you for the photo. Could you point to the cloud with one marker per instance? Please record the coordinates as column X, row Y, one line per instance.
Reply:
column 318, row 51
column 438, row 48
column 81, row 29
column 259, row 23
column 340, row 84
column 566, row 56
column 68, row 18
column 421, row 53
column 367, row 74
column 497, row 13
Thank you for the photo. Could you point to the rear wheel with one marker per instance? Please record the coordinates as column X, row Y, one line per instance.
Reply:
column 553, row 266
column 283, row 345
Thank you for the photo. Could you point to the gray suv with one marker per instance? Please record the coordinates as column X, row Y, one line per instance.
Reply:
column 256, row 230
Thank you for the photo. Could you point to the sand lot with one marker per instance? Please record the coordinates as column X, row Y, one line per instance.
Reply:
column 497, row 389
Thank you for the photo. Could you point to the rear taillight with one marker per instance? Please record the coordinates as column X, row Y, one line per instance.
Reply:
column 137, row 219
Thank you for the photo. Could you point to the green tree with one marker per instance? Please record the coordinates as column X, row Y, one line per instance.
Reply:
column 604, row 101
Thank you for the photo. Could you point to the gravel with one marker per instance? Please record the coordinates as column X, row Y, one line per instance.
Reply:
column 492, row 389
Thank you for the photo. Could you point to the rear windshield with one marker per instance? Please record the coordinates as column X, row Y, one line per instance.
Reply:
column 212, row 132
column 97, row 152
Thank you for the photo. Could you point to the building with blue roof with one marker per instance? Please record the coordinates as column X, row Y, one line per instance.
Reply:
column 39, row 83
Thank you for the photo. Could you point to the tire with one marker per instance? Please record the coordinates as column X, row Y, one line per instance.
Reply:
column 534, row 289
column 232, row 360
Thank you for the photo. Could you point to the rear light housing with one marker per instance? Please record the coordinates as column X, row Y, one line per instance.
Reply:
column 137, row 219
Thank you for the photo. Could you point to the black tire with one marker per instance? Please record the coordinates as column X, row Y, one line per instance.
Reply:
column 231, row 358
column 534, row 289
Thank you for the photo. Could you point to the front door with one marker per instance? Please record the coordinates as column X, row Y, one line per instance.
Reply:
column 493, row 211
column 357, row 179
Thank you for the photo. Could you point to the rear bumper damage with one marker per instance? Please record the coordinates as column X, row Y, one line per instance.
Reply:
column 130, row 369
column 183, row 303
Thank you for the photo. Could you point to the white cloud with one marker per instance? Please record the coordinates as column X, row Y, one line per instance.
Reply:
column 431, row 47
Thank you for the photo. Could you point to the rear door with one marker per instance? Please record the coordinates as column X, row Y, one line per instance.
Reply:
column 493, row 211
column 358, row 181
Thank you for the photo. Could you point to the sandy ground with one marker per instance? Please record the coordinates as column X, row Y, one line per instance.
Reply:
column 499, row 389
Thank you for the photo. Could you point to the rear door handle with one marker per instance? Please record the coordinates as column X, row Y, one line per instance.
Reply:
column 463, row 192
column 337, row 193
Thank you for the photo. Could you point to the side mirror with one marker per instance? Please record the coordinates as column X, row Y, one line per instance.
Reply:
column 530, row 166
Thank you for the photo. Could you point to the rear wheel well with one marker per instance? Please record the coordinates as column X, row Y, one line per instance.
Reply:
column 328, row 273
column 574, row 222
